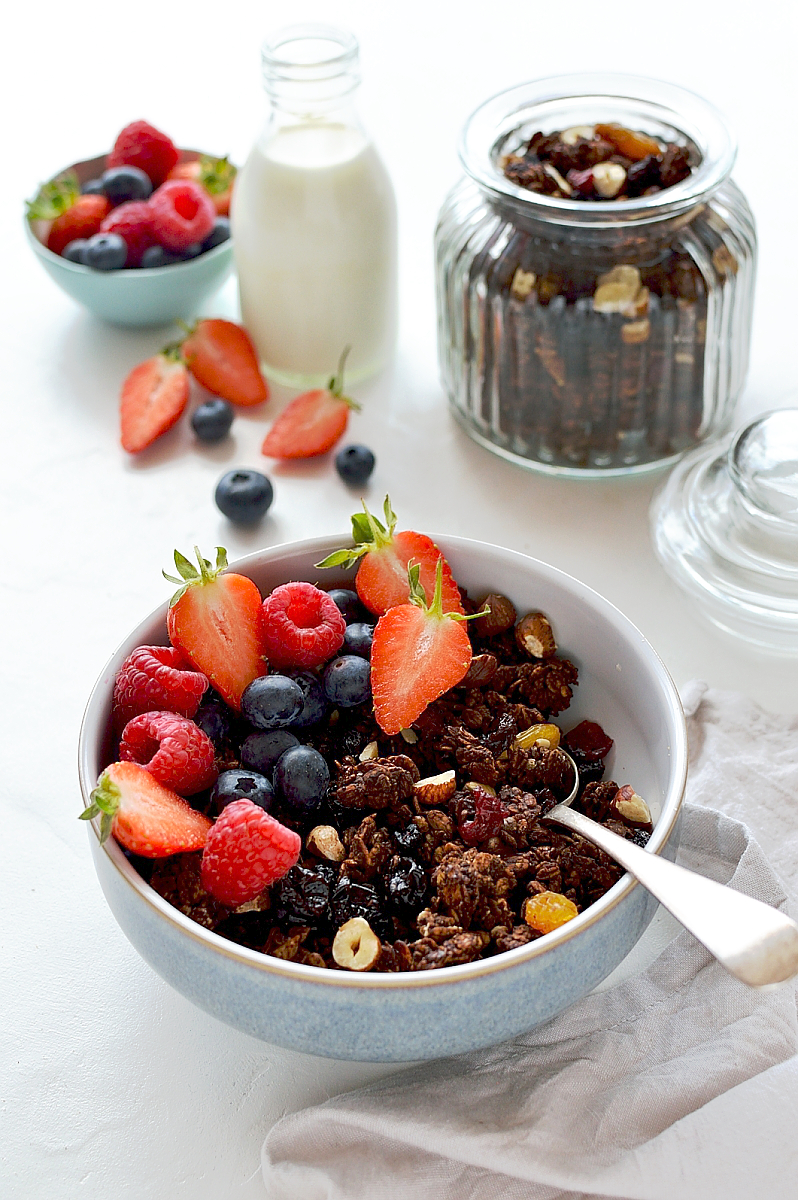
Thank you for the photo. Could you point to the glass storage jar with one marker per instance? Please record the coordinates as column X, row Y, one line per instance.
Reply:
column 538, row 368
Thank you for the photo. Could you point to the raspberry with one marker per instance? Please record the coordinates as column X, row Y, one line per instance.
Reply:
column 303, row 626
column 152, row 678
column 133, row 222
column 173, row 749
column 141, row 145
column 182, row 214
column 246, row 850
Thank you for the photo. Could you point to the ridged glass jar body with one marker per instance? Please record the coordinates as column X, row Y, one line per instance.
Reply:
column 533, row 367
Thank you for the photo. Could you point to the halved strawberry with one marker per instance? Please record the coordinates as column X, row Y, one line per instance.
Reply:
column 214, row 619
column 221, row 356
column 153, row 398
column 71, row 215
column 313, row 422
column 143, row 815
column 384, row 555
column 418, row 653
column 216, row 175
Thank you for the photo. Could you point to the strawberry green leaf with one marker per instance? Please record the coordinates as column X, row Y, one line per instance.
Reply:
column 216, row 174
column 54, row 198
column 343, row 558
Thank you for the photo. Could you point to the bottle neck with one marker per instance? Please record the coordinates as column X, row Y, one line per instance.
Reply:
column 311, row 74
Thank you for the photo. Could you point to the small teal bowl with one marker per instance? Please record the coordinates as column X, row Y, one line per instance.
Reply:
column 138, row 297
column 426, row 1014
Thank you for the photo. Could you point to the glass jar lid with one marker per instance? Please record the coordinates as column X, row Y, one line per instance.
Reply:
column 725, row 527
column 506, row 122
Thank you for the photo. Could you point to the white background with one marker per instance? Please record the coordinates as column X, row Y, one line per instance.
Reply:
column 110, row 1083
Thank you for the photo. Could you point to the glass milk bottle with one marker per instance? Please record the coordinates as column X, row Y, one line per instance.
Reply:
column 314, row 219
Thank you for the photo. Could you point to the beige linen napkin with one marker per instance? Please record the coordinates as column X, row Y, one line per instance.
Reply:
column 678, row 1084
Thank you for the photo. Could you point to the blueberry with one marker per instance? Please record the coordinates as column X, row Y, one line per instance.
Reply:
column 212, row 420
column 358, row 638
column 92, row 187
column 315, row 701
column 75, row 251
column 220, row 233
column 214, row 721
column 347, row 680
column 192, row 251
column 354, row 463
column 260, row 751
column 106, row 252
column 239, row 784
column 156, row 256
column 272, row 702
column 126, row 183
column 244, row 496
column 302, row 777
column 349, row 605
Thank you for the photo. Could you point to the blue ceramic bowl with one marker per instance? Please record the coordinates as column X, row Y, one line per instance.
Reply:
column 137, row 297
column 426, row 1014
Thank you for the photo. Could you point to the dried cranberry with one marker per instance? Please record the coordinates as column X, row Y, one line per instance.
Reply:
column 407, row 885
column 489, row 813
column 590, row 739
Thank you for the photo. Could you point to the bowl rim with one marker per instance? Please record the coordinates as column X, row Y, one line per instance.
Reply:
column 441, row 976
column 188, row 155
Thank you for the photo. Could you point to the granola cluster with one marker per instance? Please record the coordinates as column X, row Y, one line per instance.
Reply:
column 431, row 848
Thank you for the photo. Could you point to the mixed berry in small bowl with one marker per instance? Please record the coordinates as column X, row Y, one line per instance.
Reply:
column 106, row 228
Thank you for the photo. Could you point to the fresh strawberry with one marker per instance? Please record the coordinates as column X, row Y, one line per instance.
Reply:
column 133, row 222
column 246, row 851
column 82, row 220
column 313, row 422
column 181, row 213
column 155, row 678
column 143, row 815
column 154, row 395
column 418, row 653
column 221, row 357
column 215, row 620
column 174, row 750
column 302, row 626
column 384, row 555
column 216, row 175
column 141, row 145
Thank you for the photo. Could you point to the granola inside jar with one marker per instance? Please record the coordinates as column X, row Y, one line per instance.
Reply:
column 594, row 336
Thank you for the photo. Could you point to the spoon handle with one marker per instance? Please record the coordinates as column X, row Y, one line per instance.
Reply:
column 754, row 942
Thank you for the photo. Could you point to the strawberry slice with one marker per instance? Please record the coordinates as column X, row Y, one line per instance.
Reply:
column 153, row 398
column 313, row 422
column 220, row 355
column 418, row 653
column 214, row 619
column 384, row 556
column 143, row 815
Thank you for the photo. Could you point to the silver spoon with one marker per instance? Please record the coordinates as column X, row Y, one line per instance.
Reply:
column 754, row 942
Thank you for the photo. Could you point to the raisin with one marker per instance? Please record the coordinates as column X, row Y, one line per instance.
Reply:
column 351, row 899
column 407, row 885
column 408, row 840
column 303, row 894
column 548, row 910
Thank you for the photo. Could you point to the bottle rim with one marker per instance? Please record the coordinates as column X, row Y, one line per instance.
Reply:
column 506, row 120
column 318, row 52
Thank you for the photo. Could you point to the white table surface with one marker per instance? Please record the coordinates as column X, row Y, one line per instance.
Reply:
column 110, row 1083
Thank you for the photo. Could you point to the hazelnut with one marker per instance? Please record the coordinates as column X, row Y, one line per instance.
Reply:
column 534, row 635
column 356, row 946
column 435, row 789
column 635, row 332
column 481, row 671
column 631, row 808
column 608, row 179
column 409, row 735
column 369, row 752
column 617, row 289
column 522, row 284
column 501, row 616
column 473, row 786
column 570, row 137
column 562, row 184
column 324, row 841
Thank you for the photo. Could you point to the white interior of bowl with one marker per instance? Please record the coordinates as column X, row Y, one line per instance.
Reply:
column 622, row 684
